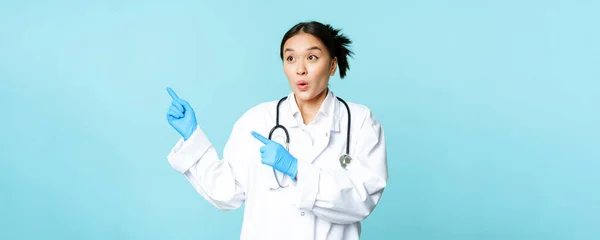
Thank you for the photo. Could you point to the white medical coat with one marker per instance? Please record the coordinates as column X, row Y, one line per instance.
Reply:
column 326, row 202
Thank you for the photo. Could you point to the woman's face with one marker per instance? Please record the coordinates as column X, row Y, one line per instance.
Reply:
column 307, row 65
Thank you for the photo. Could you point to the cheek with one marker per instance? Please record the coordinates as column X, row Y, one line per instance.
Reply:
column 288, row 69
column 320, row 69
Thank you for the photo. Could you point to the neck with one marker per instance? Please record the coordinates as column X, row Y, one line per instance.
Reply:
column 309, row 108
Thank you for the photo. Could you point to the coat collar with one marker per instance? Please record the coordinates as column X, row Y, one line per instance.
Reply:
column 329, row 111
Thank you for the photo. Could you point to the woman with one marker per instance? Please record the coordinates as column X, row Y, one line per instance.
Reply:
column 306, row 189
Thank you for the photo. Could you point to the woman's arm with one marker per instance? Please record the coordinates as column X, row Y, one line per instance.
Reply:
column 347, row 196
column 221, row 182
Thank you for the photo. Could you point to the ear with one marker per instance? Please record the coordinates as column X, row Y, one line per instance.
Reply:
column 333, row 66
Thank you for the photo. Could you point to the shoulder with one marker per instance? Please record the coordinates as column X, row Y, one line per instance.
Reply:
column 256, row 114
column 365, row 124
column 259, row 109
column 363, row 114
column 366, row 130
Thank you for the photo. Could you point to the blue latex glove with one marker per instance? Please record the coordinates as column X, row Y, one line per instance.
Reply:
column 276, row 156
column 181, row 116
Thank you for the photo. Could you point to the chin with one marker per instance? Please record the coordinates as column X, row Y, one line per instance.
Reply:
column 304, row 95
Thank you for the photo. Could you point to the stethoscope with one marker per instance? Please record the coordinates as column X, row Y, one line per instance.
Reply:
column 345, row 159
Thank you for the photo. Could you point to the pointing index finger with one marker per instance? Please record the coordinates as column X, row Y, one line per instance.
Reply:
column 172, row 93
column 260, row 137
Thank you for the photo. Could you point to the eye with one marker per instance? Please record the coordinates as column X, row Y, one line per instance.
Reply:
column 312, row 57
column 290, row 58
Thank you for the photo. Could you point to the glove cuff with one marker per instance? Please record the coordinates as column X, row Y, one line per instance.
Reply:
column 187, row 136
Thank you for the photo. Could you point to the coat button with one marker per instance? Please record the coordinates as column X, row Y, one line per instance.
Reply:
column 302, row 214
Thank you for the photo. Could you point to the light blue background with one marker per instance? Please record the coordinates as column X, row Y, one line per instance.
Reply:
column 491, row 112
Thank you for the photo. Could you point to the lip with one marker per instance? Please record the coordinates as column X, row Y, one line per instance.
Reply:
column 302, row 85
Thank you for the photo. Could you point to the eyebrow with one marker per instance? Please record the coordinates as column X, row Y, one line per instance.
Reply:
column 308, row 49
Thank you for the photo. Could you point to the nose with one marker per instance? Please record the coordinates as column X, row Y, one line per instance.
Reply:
column 300, row 69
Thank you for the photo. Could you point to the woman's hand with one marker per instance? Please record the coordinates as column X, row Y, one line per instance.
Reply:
column 181, row 116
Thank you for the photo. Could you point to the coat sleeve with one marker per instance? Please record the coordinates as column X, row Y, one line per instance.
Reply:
column 222, row 182
column 349, row 195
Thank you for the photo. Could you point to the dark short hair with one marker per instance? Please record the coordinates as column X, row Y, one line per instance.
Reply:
column 337, row 44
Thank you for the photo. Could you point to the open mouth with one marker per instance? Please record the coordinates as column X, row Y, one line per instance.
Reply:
column 302, row 85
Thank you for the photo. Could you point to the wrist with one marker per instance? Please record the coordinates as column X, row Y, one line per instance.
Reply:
column 294, row 169
column 189, row 134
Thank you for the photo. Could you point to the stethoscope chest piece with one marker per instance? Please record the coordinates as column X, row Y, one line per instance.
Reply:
column 345, row 160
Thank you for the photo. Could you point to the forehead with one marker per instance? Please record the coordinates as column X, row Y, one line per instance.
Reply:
column 302, row 41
